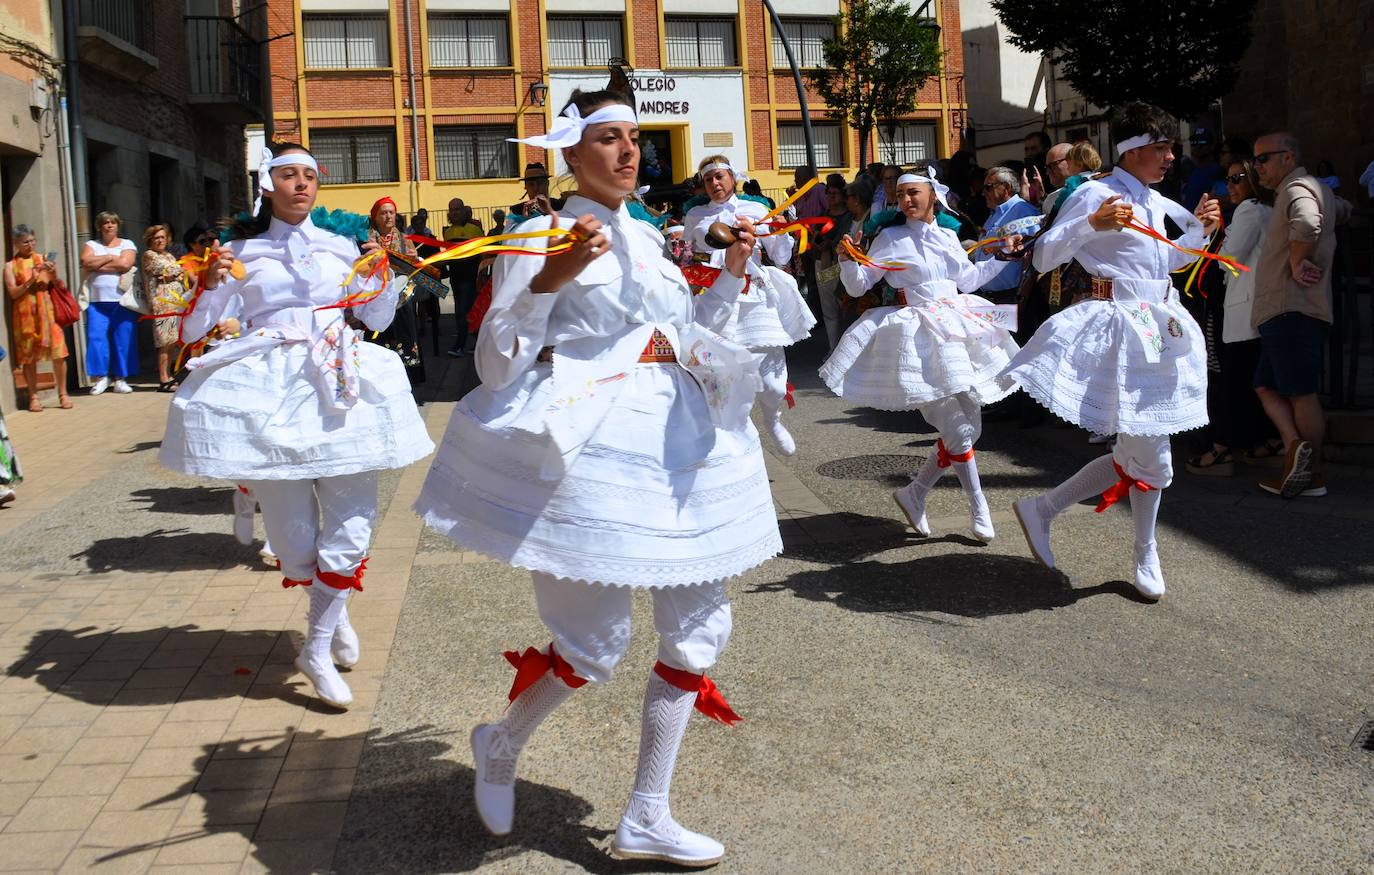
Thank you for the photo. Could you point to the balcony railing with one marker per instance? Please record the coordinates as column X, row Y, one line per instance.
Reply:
column 128, row 20
column 226, row 65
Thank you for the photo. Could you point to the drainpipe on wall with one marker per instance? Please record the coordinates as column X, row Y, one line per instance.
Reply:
column 71, row 142
column 414, row 114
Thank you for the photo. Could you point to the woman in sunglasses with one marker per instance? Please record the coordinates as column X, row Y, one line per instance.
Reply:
column 1238, row 420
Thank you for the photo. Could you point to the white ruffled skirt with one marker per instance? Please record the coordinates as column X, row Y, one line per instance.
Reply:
column 658, row 497
column 897, row 358
column 771, row 313
column 262, row 417
column 1135, row 365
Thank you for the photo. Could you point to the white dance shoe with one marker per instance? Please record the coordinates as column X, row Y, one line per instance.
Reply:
column 1149, row 577
column 493, row 785
column 1036, row 528
column 315, row 660
column 782, row 437
column 330, row 688
column 980, row 519
column 914, row 508
column 345, row 647
column 667, row 841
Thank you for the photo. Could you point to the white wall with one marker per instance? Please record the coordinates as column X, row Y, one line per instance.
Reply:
column 1004, row 86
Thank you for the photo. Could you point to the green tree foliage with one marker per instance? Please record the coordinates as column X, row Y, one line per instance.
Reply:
column 1177, row 54
column 876, row 65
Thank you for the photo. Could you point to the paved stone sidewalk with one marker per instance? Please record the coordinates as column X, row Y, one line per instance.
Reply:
column 150, row 717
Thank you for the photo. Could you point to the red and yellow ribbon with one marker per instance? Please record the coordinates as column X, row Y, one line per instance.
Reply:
column 1226, row 261
column 860, row 257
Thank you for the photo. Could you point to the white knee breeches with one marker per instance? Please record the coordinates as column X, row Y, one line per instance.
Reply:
column 773, row 370
column 1146, row 458
column 591, row 624
column 323, row 524
column 958, row 418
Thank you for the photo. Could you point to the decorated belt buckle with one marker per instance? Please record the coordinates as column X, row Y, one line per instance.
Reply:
column 659, row 350
column 1102, row 289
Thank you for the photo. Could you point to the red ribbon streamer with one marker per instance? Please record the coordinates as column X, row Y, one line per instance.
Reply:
column 531, row 665
column 944, row 458
column 1234, row 266
column 789, row 397
column 710, row 701
column 1120, row 489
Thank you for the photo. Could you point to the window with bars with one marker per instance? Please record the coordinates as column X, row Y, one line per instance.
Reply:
column 584, row 42
column 808, row 37
column 469, row 41
column 906, row 144
column 351, row 156
column 701, row 42
column 346, row 41
column 792, row 145
column 475, row 152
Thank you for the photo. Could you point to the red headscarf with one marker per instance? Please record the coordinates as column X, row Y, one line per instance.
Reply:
column 378, row 205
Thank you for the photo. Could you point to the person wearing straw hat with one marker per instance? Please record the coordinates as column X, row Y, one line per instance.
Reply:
column 298, row 408
column 608, row 449
column 770, row 314
column 937, row 351
column 537, row 201
column 1126, row 358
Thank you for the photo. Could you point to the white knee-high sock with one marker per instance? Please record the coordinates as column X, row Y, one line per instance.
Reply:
column 326, row 604
column 667, row 710
column 1144, row 512
column 928, row 476
column 1092, row 479
column 967, row 472
column 530, row 708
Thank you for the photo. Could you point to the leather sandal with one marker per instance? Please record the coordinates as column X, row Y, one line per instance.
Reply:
column 35, row 406
column 1215, row 462
column 64, row 402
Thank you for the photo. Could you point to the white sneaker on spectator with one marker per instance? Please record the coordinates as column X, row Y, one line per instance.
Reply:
column 100, row 385
column 6, row 495
column 121, row 387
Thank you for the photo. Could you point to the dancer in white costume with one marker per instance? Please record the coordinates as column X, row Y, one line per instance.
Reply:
column 940, row 352
column 608, row 448
column 298, row 408
column 770, row 313
column 1127, row 358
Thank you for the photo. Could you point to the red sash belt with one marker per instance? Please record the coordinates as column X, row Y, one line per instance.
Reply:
column 1119, row 489
column 709, row 699
column 944, row 458
column 353, row 580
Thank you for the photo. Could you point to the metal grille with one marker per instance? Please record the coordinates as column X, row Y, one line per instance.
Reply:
column 584, row 42
column 355, row 156
column 461, row 41
column 792, row 145
column 346, row 41
column 470, row 152
column 225, row 60
column 882, row 468
column 907, row 143
column 126, row 19
column 701, row 42
column 808, row 37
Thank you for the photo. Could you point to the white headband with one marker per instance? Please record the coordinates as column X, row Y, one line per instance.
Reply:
column 270, row 161
column 740, row 175
column 1136, row 142
column 568, row 127
column 928, row 179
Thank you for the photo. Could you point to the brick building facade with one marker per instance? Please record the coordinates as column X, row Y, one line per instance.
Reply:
column 708, row 79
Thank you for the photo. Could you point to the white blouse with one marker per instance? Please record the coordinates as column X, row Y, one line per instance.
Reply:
column 1244, row 236
column 699, row 219
column 930, row 253
column 1124, row 253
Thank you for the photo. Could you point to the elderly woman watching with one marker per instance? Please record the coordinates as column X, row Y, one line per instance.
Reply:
column 37, row 336
column 104, row 261
column 162, row 284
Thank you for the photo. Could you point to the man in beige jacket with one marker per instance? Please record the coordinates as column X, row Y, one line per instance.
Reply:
column 1292, row 309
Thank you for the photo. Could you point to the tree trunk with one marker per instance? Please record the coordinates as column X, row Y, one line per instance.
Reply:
column 864, row 134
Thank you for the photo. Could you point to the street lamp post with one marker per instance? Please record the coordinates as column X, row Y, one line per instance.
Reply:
column 801, row 89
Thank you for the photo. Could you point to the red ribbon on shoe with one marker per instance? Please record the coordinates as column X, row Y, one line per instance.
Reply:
column 710, row 701
column 531, row 665
column 344, row 581
column 789, row 397
column 944, row 458
column 1119, row 490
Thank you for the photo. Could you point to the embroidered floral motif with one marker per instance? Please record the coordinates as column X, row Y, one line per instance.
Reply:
column 1175, row 327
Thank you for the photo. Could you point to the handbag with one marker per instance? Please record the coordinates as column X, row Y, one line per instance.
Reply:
column 64, row 307
column 131, row 294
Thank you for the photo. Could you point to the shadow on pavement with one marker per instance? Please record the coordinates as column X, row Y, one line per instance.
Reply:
column 165, row 665
column 412, row 811
column 961, row 584
column 166, row 550
column 140, row 447
column 211, row 501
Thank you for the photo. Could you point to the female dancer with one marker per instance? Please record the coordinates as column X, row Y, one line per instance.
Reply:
column 939, row 352
column 608, row 448
column 770, row 314
column 297, row 408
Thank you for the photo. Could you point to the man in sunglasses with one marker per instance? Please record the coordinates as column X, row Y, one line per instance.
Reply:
column 1292, row 309
column 1126, row 358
